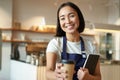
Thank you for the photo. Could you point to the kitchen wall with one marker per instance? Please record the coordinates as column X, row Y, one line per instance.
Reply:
column 5, row 21
column 114, row 11
column 5, row 13
column 29, row 12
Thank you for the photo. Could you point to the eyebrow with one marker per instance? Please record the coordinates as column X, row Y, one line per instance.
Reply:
column 61, row 16
column 68, row 14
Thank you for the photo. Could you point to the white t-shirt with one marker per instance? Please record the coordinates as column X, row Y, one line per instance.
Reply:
column 56, row 46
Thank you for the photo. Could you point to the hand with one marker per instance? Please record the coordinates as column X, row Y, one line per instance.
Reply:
column 83, row 74
column 60, row 73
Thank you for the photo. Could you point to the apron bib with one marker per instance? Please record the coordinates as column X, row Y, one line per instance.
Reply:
column 78, row 58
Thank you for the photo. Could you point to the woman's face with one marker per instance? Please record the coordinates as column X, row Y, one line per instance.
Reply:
column 69, row 19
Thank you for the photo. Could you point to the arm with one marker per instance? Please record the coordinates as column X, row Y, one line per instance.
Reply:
column 83, row 74
column 53, row 70
column 97, row 74
column 50, row 67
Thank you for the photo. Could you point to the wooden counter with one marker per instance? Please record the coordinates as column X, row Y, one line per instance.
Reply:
column 24, row 71
column 41, row 73
column 110, row 71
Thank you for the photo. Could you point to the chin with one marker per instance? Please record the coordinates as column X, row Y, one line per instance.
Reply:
column 71, row 32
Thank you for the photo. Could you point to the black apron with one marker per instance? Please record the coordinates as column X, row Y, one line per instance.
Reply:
column 78, row 58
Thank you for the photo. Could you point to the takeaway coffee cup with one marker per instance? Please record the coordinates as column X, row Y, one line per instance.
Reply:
column 68, row 65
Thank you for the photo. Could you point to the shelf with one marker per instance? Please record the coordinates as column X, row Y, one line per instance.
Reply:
column 25, row 30
column 28, row 31
column 42, row 32
column 5, row 29
column 20, row 41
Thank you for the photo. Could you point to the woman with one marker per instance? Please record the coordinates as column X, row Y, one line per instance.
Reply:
column 68, row 42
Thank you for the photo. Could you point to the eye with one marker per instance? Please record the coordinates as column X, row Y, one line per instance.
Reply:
column 72, row 15
column 62, row 18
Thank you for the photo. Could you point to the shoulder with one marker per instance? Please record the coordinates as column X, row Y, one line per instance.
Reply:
column 89, row 46
column 55, row 41
column 87, row 42
column 87, row 39
column 53, row 45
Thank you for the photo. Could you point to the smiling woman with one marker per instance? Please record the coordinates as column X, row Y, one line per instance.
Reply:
column 68, row 44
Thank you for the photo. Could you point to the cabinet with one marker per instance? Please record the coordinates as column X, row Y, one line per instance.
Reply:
column 110, row 72
column 41, row 74
column 24, row 71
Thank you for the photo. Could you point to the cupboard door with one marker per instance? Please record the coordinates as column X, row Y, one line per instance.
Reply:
column 116, row 72
column 110, row 72
column 107, row 72
column 22, row 71
column 41, row 73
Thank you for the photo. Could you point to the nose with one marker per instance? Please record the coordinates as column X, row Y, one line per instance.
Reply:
column 67, row 20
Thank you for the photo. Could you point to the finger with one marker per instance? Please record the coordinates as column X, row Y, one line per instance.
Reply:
column 59, row 65
column 60, row 79
column 61, row 75
column 58, row 71
column 58, row 76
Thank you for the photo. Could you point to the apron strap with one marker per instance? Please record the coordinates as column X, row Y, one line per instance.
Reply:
column 82, row 44
column 64, row 47
column 83, row 48
column 64, row 44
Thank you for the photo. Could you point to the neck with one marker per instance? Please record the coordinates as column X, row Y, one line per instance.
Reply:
column 73, row 37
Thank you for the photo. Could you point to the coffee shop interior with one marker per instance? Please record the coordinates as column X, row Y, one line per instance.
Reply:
column 26, row 27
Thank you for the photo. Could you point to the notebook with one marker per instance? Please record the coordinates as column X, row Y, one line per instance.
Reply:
column 91, row 62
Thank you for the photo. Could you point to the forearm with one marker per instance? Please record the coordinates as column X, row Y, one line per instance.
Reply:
column 94, row 77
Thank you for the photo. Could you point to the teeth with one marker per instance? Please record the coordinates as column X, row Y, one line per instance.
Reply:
column 67, row 26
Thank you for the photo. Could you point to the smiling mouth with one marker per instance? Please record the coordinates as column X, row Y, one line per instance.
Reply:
column 69, row 26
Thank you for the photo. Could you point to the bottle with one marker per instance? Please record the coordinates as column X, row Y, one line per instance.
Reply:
column 15, row 54
column 109, row 46
column 37, row 61
column 28, row 58
column 32, row 59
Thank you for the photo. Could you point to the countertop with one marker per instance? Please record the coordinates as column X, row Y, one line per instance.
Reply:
column 110, row 62
column 102, row 62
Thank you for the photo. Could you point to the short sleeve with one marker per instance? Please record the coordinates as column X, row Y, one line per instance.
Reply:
column 52, row 46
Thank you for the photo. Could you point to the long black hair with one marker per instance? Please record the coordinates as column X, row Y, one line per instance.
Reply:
column 59, row 31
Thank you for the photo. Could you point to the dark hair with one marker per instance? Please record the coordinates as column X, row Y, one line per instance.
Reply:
column 59, row 31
